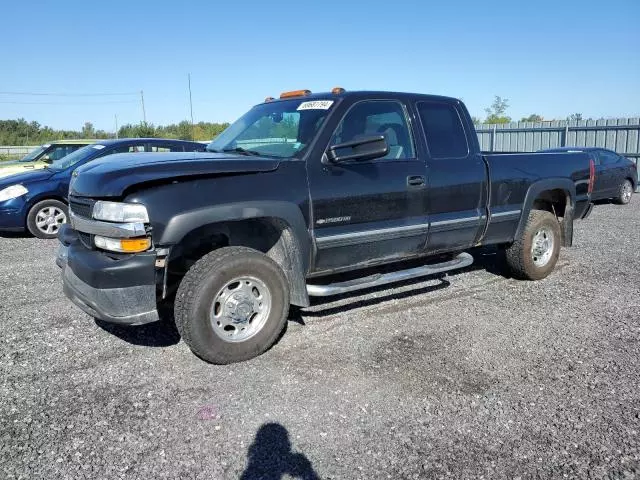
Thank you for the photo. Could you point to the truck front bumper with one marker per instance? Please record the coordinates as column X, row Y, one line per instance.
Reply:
column 121, row 290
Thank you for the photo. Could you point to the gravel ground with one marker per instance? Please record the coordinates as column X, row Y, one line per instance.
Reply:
column 474, row 376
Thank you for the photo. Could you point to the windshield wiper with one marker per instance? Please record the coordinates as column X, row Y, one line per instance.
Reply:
column 242, row 151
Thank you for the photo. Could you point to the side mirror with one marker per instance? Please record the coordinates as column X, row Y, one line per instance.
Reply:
column 365, row 148
column 46, row 159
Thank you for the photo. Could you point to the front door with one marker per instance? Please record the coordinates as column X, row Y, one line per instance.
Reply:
column 371, row 211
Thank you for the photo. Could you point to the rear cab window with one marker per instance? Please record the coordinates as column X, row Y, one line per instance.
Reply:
column 443, row 130
column 166, row 147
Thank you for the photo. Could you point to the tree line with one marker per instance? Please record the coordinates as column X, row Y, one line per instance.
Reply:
column 497, row 113
column 21, row 132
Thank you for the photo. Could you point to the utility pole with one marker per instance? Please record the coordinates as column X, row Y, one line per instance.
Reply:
column 116, row 117
column 144, row 113
column 190, row 106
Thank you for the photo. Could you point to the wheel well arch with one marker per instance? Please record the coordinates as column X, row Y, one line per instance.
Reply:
column 271, row 235
column 553, row 200
column 634, row 181
column 553, row 195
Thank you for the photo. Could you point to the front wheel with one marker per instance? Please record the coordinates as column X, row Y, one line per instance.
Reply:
column 46, row 217
column 232, row 305
column 624, row 193
column 534, row 255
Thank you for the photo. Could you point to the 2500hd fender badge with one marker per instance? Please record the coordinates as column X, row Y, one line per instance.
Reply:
column 322, row 221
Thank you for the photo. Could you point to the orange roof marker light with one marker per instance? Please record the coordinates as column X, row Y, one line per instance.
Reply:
column 295, row 93
column 337, row 90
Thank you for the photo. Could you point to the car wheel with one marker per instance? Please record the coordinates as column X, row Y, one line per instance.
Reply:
column 46, row 217
column 625, row 192
column 534, row 255
column 232, row 305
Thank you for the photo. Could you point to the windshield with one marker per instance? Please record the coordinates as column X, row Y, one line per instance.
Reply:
column 75, row 157
column 35, row 153
column 282, row 129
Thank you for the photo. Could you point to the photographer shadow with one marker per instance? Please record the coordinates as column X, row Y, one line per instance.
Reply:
column 271, row 458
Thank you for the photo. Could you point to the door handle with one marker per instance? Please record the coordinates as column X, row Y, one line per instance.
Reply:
column 416, row 181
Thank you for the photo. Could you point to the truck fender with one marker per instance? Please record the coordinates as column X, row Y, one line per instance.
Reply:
column 534, row 191
column 292, row 251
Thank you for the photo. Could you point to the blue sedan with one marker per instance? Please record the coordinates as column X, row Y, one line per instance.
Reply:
column 36, row 200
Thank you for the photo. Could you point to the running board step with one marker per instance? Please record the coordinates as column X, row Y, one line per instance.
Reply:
column 459, row 261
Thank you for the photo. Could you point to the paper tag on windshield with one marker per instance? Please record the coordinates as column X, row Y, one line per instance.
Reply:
column 98, row 147
column 316, row 105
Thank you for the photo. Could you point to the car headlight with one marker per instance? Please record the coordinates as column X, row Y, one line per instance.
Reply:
column 14, row 191
column 120, row 212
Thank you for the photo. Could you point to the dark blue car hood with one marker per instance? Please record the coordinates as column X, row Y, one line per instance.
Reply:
column 111, row 176
column 27, row 177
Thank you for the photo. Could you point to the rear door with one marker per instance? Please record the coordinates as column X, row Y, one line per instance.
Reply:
column 365, row 212
column 457, row 178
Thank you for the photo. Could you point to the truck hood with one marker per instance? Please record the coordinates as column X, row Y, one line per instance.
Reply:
column 111, row 176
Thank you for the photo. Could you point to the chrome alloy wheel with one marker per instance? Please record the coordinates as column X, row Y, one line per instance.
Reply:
column 542, row 247
column 50, row 219
column 240, row 309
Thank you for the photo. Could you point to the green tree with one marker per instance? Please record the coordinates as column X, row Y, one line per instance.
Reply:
column 496, row 112
column 142, row 130
column 87, row 130
column 534, row 117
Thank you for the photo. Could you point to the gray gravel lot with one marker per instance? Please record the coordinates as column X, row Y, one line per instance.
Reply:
column 477, row 376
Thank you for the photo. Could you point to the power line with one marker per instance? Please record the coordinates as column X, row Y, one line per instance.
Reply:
column 69, row 103
column 70, row 94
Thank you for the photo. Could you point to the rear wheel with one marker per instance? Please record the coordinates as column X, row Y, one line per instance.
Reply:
column 232, row 305
column 534, row 255
column 46, row 217
column 625, row 191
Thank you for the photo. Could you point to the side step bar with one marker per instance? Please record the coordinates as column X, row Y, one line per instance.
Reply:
column 459, row 261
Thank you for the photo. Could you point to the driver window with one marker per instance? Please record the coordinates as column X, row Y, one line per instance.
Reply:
column 377, row 117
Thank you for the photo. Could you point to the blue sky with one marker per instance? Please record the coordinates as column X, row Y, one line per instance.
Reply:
column 549, row 57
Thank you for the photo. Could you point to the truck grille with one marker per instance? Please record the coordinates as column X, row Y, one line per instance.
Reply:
column 81, row 206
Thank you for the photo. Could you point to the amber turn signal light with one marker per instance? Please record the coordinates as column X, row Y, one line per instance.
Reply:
column 124, row 245
column 295, row 93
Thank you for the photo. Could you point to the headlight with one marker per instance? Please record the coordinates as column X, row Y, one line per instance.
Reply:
column 120, row 212
column 14, row 191
column 124, row 245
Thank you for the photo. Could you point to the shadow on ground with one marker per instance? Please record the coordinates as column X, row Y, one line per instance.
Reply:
column 490, row 259
column 15, row 235
column 270, row 457
column 157, row 334
column 164, row 332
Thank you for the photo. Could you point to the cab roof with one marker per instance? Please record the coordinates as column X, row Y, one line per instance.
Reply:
column 365, row 95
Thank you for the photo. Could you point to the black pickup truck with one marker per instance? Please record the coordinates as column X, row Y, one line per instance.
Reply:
column 307, row 195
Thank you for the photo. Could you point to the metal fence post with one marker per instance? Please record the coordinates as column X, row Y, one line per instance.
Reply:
column 492, row 141
column 566, row 135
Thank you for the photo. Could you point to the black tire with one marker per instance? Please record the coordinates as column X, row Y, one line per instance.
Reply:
column 42, row 206
column 625, row 191
column 520, row 255
column 197, row 294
